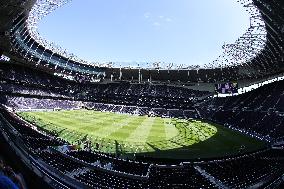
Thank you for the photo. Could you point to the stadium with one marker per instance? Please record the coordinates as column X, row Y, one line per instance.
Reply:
column 69, row 123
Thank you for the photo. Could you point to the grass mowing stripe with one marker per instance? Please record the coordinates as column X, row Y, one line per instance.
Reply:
column 170, row 129
column 124, row 132
column 142, row 131
column 75, row 124
column 184, row 138
column 113, row 127
column 62, row 121
column 157, row 132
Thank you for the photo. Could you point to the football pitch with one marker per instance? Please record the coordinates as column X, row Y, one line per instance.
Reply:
column 126, row 135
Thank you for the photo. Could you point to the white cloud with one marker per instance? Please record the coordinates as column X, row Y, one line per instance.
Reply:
column 156, row 20
column 157, row 24
column 169, row 20
column 147, row 15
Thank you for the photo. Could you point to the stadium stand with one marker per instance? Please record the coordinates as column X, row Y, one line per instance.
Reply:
column 250, row 111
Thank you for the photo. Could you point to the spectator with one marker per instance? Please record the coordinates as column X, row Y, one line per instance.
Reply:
column 9, row 179
column 6, row 183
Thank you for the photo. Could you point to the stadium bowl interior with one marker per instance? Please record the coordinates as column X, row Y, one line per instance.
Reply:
column 66, row 123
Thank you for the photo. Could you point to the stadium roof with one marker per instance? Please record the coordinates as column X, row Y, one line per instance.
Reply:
column 250, row 57
column 244, row 48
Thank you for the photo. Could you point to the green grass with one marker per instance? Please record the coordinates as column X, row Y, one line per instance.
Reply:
column 143, row 135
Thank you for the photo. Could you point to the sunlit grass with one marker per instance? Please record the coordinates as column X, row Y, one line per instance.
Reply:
column 122, row 133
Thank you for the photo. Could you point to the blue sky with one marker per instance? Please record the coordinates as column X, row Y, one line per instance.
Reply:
column 180, row 31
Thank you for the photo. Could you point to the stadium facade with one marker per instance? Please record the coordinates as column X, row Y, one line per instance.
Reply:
column 37, row 75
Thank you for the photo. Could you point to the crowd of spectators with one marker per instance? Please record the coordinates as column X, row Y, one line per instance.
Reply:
column 23, row 103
